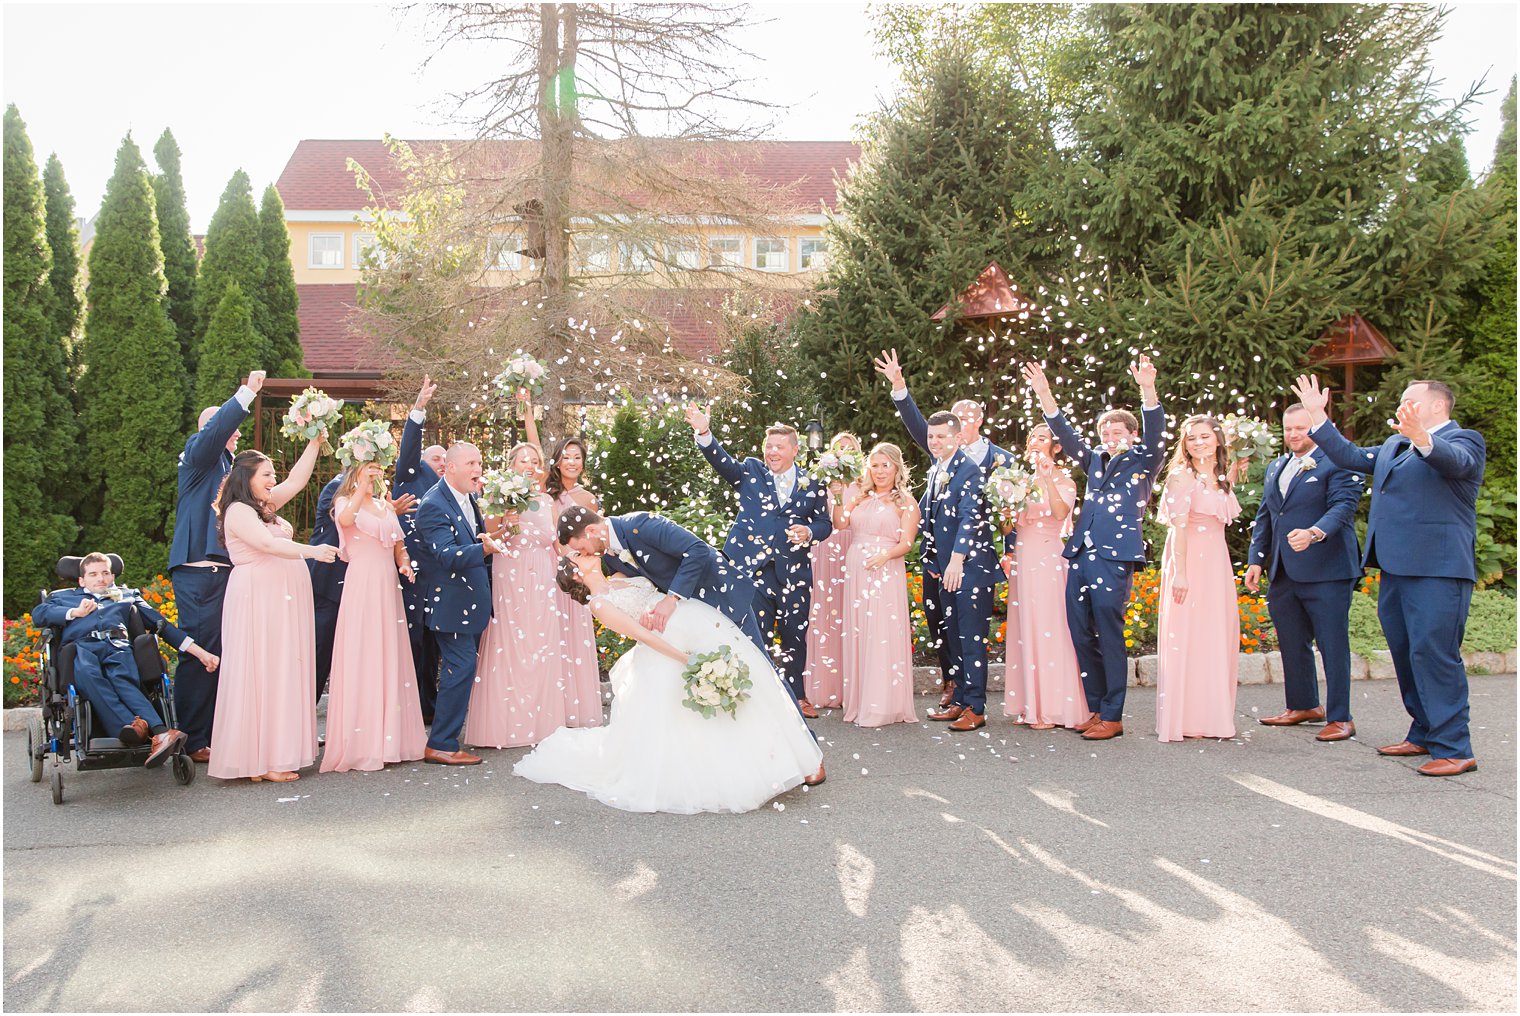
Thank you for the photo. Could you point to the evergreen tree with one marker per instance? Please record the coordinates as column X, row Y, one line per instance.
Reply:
column 63, row 241
column 39, row 421
column 944, row 187
column 765, row 356
column 229, row 350
column 624, row 474
column 178, row 246
column 133, row 387
column 234, row 253
column 286, row 357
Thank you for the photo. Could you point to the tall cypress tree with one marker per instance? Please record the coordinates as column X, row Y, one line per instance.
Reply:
column 134, row 380
column 178, row 244
column 229, row 350
column 63, row 241
column 39, row 420
column 287, row 359
column 234, row 253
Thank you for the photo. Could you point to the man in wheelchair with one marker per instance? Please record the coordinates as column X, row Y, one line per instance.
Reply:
column 94, row 617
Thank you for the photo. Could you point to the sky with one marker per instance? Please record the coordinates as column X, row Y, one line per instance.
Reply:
column 239, row 84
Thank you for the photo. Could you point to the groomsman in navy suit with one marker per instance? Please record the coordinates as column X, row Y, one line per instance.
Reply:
column 1421, row 531
column 1106, row 545
column 985, row 455
column 1304, row 540
column 782, row 513
column 198, row 563
column 416, row 474
column 456, row 579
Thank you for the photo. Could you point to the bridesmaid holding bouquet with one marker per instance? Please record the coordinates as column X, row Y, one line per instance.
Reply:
column 825, row 657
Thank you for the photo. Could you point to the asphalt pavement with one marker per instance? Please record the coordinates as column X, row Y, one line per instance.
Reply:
column 1005, row 870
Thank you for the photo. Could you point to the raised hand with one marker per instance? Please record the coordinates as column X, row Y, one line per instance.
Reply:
column 425, row 395
column 1034, row 376
column 1408, row 423
column 700, row 422
column 887, row 366
column 255, row 381
column 403, row 505
column 1315, row 399
column 1144, row 373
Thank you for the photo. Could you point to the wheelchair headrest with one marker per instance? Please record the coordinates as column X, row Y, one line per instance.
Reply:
column 68, row 567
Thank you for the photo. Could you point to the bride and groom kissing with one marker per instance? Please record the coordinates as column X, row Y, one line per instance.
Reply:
column 653, row 581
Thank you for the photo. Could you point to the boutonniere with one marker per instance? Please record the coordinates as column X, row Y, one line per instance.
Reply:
column 804, row 482
column 115, row 594
column 626, row 556
column 1119, row 449
column 1310, row 463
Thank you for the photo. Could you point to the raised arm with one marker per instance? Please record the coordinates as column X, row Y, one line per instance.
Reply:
column 299, row 475
column 1152, row 446
column 1072, row 443
column 712, row 451
column 206, row 445
column 628, row 627
column 888, row 367
column 1337, row 449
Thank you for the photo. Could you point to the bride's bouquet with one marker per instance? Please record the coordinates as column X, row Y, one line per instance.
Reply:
column 715, row 680
column 843, row 465
column 1249, row 439
column 1009, row 490
column 313, row 414
column 506, row 490
column 371, row 441
column 522, row 374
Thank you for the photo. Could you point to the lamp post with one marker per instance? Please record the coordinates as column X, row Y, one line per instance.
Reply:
column 814, row 432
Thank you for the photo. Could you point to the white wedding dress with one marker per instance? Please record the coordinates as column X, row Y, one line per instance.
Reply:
column 654, row 754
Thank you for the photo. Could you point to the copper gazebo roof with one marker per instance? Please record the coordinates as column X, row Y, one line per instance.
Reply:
column 992, row 295
column 1351, row 340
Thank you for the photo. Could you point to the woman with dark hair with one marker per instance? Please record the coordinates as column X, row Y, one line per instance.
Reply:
column 266, row 716
column 1198, row 636
column 1042, row 684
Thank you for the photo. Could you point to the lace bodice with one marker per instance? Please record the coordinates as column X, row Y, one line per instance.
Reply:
column 633, row 596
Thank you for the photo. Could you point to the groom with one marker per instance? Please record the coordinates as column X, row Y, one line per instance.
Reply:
column 675, row 560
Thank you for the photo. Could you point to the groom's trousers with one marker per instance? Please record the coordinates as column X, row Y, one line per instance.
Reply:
column 781, row 606
column 457, row 649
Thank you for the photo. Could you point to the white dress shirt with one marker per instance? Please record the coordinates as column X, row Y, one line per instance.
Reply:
column 465, row 506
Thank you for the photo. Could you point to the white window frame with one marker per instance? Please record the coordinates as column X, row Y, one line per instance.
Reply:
column 785, row 253
column 684, row 255
column 363, row 241
column 634, row 257
column 586, row 245
column 504, row 245
column 311, row 251
column 822, row 248
column 723, row 262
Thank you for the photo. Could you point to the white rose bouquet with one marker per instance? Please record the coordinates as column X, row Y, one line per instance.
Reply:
column 1249, row 438
column 715, row 680
column 843, row 465
column 522, row 373
column 371, row 441
column 1009, row 490
column 506, row 490
column 313, row 414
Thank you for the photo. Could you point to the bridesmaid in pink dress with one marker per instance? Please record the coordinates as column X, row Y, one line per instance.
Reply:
column 583, row 683
column 878, row 639
column 1198, row 638
column 373, row 714
column 822, row 676
column 1042, row 684
column 266, row 713
column 519, row 694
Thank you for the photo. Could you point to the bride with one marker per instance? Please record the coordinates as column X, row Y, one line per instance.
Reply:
column 655, row 754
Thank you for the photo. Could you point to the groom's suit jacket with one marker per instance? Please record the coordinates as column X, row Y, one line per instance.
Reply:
column 676, row 561
column 918, row 429
column 456, row 577
column 1325, row 498
column 758, row 535
column 950, row 521
column 1118, row 488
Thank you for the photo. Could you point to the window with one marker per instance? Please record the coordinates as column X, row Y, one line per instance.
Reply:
column 812, row 253
column 633, row 256
column 725, row 252
column 593, row 254
column 364, row 245
column 770, row 254
column 503, row 253
column 684, row 255
column 325, row 250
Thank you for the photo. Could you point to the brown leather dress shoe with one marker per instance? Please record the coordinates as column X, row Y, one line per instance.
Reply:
column 1295, row 716
column 134, row 733
column 203, row 756
column 950, row 712
column 1403, row 750
column 969, row 721
column 816, row 778
column 1103, row 730
column 807, row 709
column 1337, row 731
column 164, row 745
column 449, row 758
column 1088, row 724
column 1448, row 767
column 948, row 696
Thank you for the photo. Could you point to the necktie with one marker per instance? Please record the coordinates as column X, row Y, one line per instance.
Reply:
column 783, row 487
column 469, row 514
column 1288, row 473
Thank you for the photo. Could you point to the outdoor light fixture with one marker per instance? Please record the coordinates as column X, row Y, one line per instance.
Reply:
column 814, row 432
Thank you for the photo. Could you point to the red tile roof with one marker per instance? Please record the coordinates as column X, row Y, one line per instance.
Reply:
column 317, row 176
column 330, row 343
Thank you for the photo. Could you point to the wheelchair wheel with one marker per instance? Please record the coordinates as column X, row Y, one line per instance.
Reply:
column 184, row 770
column 57, row 785
column 35, row 739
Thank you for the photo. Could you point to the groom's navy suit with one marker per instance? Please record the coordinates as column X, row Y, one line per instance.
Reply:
column 1421, row 531
column 1105, row 548
column 456, row 581
column 757, row 543
column 1309, row 590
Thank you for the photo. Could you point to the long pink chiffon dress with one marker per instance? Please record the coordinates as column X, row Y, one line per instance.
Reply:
column 521, row 672
column 373, row 713
column 583, row 684
column 266, row 699
column 1198, row 640
column 878, row 631
column 1041, row 680
column 822, row 678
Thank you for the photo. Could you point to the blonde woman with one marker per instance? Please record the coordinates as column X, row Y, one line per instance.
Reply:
column 823, row 674
column 882, row 519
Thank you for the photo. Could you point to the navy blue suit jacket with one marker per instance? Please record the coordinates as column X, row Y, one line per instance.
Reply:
column 1325, row 498
column 455, row 575
column 327, row 579
column 1116, row 495
column 202, row 465
column 1424, row 516
column 110, row 614
column 676, row 561
column 412, row 477
column 951, row 522
column 758, row 535
column 918, row 429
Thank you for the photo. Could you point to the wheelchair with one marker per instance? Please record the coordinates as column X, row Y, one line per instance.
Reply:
column 70, row 730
